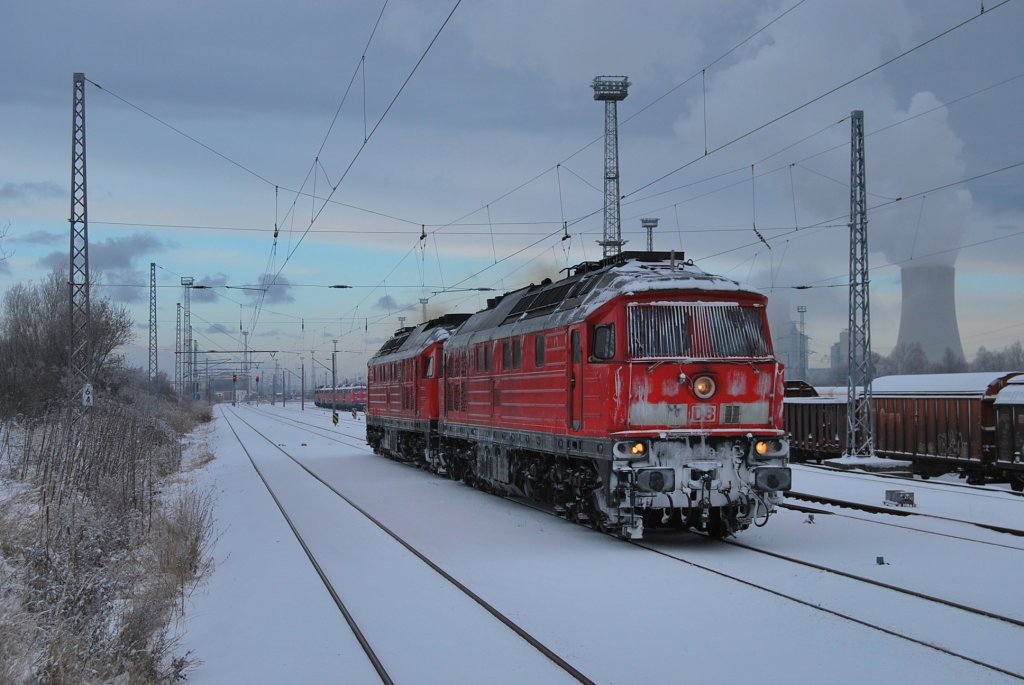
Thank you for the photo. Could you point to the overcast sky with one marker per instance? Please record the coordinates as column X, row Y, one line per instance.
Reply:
column 214, row 121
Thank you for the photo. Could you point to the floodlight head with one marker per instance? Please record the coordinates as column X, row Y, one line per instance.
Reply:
column 610, row 87
column 187, row 280
column 649, row 223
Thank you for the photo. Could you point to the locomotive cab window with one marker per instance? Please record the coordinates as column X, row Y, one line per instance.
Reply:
column 428, row 367
column 604, row 342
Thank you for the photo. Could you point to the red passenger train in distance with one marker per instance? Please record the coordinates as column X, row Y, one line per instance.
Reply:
column 637, row 392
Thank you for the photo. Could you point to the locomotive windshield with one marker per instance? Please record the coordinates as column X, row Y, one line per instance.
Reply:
column 701, row 330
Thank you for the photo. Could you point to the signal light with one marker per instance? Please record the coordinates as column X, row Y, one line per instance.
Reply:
column 234, row 378
column 257, row 379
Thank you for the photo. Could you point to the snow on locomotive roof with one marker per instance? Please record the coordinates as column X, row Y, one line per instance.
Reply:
column 409, row 341
column 574, row 298
column 938, row 383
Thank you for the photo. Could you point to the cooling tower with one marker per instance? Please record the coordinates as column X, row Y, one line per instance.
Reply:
column 928, row 314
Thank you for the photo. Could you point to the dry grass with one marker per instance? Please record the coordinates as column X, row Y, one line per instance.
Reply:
column 97, row 553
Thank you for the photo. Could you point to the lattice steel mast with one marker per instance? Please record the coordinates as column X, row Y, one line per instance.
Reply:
column 859, row 438
column 154, row 370
column 177, row 353
column 186, row 332
column 79, row 347
column 611, row 89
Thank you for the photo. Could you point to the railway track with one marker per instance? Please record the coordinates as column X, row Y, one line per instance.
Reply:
column 977, row 490
column 1014, row 624
column 504, row 619
column 893, row 511
column 1009, row 623
column 331, row 590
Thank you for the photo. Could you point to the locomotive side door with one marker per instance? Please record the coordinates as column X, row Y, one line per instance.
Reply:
column 575, row 366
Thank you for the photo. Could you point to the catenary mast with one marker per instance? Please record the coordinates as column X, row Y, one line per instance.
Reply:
column 859, row 439
column 79, row 352
column 154, row 370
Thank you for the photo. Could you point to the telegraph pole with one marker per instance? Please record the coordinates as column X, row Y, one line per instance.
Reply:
column 859, row 438
column 80, row 343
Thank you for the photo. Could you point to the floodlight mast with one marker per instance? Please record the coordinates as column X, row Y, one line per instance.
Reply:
column 649, row 225
column 611, row 89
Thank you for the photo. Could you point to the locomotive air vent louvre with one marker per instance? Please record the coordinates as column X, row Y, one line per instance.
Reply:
column 731, row 413
column 539, row 303
column 393, row 344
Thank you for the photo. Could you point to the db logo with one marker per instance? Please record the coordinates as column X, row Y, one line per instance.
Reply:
column 703, row 413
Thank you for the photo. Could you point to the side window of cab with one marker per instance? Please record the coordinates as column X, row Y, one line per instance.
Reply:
column 604, row 342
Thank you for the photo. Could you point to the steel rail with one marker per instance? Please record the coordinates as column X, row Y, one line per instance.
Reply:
column 363, row 642
column 505, row 620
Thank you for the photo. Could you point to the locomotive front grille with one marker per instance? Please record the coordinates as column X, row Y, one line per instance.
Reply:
column 704, row 330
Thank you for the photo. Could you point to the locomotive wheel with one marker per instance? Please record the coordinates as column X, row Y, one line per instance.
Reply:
column 718, row 528
column 598, row 519
column 455, row 470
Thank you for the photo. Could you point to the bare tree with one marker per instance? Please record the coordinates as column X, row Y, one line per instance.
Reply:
column 1010, row 358
column 34, row 334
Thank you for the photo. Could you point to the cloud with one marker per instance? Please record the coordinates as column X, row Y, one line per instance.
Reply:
column 38, row 238
column 275, row 291
column 208, row 294
column 666, row 36
column 218, row 329
column 112, row 265
column 24, row 192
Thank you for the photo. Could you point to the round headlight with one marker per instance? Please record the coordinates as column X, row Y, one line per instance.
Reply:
column 657, row 481
column 762, row 447
column 638, row 448
column 704, row 387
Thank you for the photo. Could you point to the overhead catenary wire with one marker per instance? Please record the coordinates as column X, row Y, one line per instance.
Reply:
column 491, row 225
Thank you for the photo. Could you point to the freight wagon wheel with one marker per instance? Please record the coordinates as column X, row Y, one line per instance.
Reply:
column 1017, row 482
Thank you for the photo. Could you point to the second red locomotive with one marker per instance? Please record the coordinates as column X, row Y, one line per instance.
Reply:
column 638, row 391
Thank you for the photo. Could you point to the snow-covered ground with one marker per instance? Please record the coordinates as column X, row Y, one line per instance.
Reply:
column 617, row 612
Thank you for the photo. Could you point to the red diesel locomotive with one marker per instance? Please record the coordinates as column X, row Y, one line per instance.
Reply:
column 638, row 391
column 344, row 397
